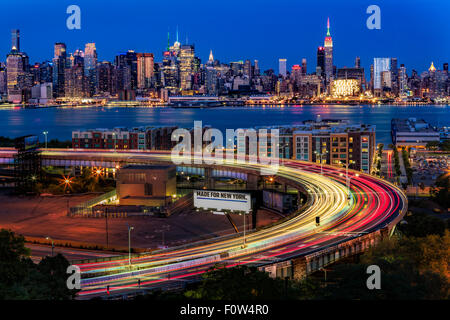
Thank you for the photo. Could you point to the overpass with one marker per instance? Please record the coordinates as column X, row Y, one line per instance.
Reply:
column 351, row 220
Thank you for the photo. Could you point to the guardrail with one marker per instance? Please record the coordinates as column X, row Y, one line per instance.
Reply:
column 196, row 243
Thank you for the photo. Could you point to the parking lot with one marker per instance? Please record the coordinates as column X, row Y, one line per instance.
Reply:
column 429, row 167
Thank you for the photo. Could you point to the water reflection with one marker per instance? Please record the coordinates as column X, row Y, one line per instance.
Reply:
column 60, row 122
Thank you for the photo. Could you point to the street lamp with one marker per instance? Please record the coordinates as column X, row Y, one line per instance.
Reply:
column 114, row 140
column 321, row 160
column 348, row 180
column 129, row 244
column 53, row 245
column 66, row 181
column 45, row 133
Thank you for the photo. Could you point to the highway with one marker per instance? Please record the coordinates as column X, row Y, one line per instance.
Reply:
column 369, row 204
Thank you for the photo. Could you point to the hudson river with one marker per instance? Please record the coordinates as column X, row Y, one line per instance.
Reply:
column 60, row 122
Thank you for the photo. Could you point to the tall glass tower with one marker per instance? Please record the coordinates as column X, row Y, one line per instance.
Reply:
column 380, row 65
column 328, row 45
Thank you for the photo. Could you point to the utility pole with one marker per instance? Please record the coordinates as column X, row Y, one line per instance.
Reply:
column 129, row 245
column 245, row 218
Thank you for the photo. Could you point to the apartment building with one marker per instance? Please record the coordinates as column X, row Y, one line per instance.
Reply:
column 335, row 142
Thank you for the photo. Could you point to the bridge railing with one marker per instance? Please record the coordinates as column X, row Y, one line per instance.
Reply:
column 86, row 208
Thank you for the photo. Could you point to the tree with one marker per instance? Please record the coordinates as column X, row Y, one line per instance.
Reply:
column 433, row 145
column 21, row 279
column 411, row 268
column 421, row 225
column 14, row 262
column 242, row 283
column 441, row 192
column 445, row 146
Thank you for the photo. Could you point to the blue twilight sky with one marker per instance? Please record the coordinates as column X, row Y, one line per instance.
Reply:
column 416, row 32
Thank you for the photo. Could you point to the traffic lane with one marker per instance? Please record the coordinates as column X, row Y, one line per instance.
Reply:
column 375, row 217
column 178, row 252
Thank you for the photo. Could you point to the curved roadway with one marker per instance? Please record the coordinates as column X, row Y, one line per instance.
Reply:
column 371, row 204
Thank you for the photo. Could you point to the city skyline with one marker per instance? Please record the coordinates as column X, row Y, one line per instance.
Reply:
column 399, row 38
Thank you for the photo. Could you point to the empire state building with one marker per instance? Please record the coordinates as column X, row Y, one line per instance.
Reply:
column 328, row 45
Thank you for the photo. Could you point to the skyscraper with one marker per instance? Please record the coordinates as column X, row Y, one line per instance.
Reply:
column 380, row 65
column 320, row 70
column 145, row 67
column 282, row 67
column 3, row 79
column 402, row 79
column 105, row 78
column 328, row 45
column 126, row 67
column 90, row 56
column 257, row 71
column 16, row 66
column 59, row 64
column 211, row 76
column 394, row 75
column 15, row 40
column 248, row 69
column 90, row 64
column 170, row 74
column 186, row 66
column 304, row 70
column 75, row 81
column 358, row 62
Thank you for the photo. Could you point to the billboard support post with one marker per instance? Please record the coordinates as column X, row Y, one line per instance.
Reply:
column 245, row 218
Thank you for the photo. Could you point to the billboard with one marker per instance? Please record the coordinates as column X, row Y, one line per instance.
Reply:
column 27, row 143
column 31, row 142
column 222, row 200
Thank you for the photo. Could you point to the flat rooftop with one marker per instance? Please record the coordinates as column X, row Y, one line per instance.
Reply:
column 411, row 125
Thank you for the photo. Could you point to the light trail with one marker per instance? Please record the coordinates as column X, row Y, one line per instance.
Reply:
column 373, row 204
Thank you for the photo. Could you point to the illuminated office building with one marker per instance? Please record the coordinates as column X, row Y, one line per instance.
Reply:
column 15, row 39
column 90, row 64
column 304, row 70
column 170, row 75
column 211, row 82
column 145, row 69
column 282, row 67
column 75, row 81
column 3, row 80
column 328, row 45
column 380, row 65
column 186, row 59
column 16, row 74
column 59, row 65
column 106, row 83
column 320, row 70
column 126, row 68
